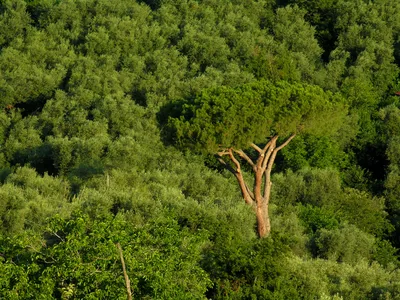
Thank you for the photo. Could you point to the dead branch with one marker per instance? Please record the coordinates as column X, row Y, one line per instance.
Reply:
column 127, row 281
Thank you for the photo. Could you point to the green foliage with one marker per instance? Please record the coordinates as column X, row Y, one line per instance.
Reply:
column 313, row 151
column 315, row 218
column 14, row 21
column 385, row 254
column 79, row 259
column 81, row 87
column 248, row 270
column 322, row 15
column 250, row 113
column 27, row 199
column 326, row 202
column 332, row 280
column 347, row 244
column 32, row 68
column 365, row 211
column 299, row 50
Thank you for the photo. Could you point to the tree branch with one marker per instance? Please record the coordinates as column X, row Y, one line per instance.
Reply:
column 246, row 193
column 249, row 191
column 227, row 166
column 271, row 145
column 254, row 146
column 245, row 157
column 271, row 159
column 223, row 152
column 127, row 281
column 234, row 160
column 285, row 143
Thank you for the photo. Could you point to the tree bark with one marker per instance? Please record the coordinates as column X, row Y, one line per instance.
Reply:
column 258, row 199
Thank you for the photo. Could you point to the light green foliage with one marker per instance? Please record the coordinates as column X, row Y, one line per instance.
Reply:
column 322, row 187
column 347, row 244
column 321, row 278
column 364, row 210
column 322, row 14
column 23, row 140
column 32, row 68
column 27, row 199
column 287, row 222
column 368, row 39
column 13, row 21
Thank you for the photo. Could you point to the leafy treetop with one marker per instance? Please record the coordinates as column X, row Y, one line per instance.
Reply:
column 235, row 117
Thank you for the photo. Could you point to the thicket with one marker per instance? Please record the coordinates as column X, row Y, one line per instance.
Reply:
column 107, row 108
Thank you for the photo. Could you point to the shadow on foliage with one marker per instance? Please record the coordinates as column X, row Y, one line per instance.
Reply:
column 82, row 173
column 40, row 158
column 153, row 4
column 248, row 269
column 33, row 106
column 139, row 96
column 168, row 111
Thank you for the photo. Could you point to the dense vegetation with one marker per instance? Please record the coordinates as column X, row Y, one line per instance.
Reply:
column 111, row 113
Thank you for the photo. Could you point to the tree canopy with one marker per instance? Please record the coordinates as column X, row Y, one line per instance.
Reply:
column 236, row 117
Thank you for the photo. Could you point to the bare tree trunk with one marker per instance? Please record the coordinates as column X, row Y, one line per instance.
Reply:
column 263, row 223
column 262, row 169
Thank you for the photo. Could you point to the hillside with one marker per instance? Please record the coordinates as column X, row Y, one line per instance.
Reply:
column 153, row 125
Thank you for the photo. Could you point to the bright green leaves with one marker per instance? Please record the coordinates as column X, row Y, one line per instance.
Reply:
column 236, row 117
column 23, row 140
column 78, row 258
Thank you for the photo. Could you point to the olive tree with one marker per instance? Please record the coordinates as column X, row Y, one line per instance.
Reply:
column 251, row 123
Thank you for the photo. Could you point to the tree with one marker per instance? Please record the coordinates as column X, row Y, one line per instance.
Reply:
column 227, row 120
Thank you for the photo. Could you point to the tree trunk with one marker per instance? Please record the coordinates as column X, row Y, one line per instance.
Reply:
column 262, row 169
column 263, row 222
